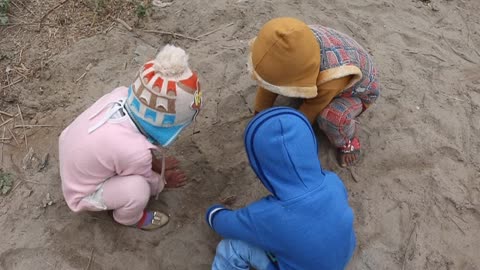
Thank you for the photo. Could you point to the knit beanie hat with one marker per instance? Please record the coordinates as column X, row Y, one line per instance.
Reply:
column 165, row 97
column 285, row 58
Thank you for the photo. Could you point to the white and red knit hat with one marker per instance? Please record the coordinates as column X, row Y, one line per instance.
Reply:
column 165, row 97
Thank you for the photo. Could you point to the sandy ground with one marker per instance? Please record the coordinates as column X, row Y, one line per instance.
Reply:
column 416, row 193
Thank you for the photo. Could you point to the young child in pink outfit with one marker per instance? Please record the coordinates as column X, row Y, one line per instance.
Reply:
column 106, row 153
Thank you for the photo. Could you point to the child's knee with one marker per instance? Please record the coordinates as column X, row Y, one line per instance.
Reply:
column 231, row 246
column 129, row 192
column 333, row 118
column 137, row 191
column 225, row 246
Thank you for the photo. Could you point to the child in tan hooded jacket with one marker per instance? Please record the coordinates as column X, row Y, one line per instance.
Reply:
column 332, row 73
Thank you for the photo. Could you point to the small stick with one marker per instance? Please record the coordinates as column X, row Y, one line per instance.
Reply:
column 81, row 77
column 214, row 31
column 27, row 23
column 458, row 53
column 448, row 96
column 23, row 123
column 4, row 130
column 246, row 103
column 353, row 174
column 122, row 22
column 38, row 183
column 6, row 122
column 87, row 69
column 9, row 130
column 13, row 135
column 15, row 187
column 90, row 260
column 20, row 61
column 13, row 3
column 7, row 114
column 170, row 33
column 458, row 226
column 30, row 126
column 11, row 84
column 50, row 11
column 23, row 5
column 406, row 247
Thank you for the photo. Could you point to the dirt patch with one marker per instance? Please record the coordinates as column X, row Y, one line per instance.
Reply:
column 416, row 194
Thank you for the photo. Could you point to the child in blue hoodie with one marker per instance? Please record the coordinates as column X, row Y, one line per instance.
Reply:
column 306, row 222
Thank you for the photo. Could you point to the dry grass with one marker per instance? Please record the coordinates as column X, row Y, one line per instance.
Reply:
column 37, row 30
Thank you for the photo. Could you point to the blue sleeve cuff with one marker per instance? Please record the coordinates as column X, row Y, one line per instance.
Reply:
column 212, row 211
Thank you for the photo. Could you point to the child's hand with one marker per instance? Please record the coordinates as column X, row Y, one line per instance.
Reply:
column 175, row 178
column 170, row 164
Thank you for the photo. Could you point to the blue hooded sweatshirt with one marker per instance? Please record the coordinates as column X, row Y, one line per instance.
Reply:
column 306, row 222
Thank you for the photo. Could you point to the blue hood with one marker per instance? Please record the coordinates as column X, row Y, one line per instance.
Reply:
column 307, row 223
column 282, row 150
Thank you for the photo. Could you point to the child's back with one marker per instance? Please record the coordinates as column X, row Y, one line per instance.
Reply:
column 106, row 157
column 306, row 223
column 87, row 159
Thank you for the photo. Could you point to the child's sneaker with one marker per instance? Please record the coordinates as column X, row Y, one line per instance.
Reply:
column 152, row 220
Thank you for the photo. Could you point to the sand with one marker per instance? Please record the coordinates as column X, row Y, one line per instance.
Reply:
column 415, row 194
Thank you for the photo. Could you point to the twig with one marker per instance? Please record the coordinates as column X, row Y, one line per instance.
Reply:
column 23, row 123
column 460, row 54
column 13, row 3
column 458, row 226
column 20, row 59
column 30, row 126
column 23, row 5
column 214, row 31
column 426, row 54
column 3, row 136
column 448, row 96
column 353, row 174
column 87, row 69
column 90, row 260
column 50, row 11
column 9, row 130
column 13, row 135
column 122, row 22
column 349, row 28
column 27, row 23
column 6, row 122
column 15, row 187
column 246, row 103
column 37, row 183
column 81, row 77
column 11, row 84
column 7, row 114
column 173, row 34
column 406, row 247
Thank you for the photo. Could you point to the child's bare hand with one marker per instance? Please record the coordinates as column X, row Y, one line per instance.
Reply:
column 171, row 163
column 175, row 178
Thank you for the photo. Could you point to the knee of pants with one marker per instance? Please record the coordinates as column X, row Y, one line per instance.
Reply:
column 139, row 191
column 331, row 117
column 129, row 192
column 223, row 245
column 229, row 246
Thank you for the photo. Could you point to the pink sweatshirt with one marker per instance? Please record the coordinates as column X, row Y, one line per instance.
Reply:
column 115, row 148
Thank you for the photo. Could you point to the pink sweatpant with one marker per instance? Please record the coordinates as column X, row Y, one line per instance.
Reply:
column 127, row 196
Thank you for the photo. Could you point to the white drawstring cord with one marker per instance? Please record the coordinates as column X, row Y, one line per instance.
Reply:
column 117, row 105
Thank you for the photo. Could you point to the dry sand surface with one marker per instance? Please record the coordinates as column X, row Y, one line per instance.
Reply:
column 416, row 193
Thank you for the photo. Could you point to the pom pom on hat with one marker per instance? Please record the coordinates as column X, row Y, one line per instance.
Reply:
column 171, row 62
